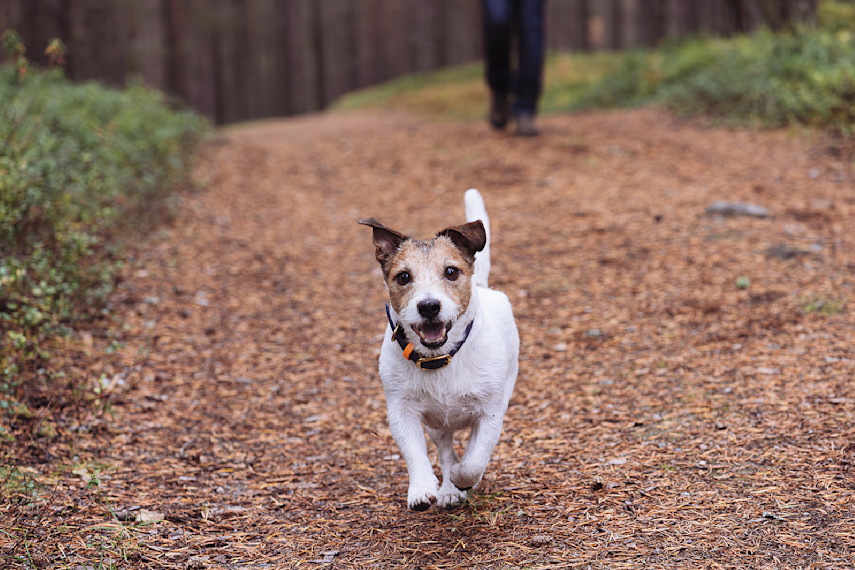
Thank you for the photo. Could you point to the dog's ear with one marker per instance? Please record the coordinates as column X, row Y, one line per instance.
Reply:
column 469, row 238
column 386, row 240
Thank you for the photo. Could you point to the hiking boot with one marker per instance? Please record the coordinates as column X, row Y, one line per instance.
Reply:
column 525, row 125
column 499, row 110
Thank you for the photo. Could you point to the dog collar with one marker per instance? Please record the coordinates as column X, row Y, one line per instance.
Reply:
column 423, row 362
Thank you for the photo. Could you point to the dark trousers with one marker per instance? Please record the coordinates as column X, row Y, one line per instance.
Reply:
column 502, row 19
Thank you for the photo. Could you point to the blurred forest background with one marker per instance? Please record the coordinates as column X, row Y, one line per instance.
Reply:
column 234, row 60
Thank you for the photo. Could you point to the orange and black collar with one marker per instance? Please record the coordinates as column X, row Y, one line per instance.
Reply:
column 423, row 362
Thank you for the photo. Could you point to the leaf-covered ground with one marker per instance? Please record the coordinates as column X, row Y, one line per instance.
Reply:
column 685, row 396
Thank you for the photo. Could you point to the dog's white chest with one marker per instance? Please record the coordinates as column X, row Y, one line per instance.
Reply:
column 442, row 399
column 455, row 413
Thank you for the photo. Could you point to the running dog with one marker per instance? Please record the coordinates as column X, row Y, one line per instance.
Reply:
column 450, row 357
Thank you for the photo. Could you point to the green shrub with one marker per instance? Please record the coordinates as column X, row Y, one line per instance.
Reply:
column 80, row 166
column 804, row 77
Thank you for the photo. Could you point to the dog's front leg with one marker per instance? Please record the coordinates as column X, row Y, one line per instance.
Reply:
column 407, row 430
column 485, row 434
column 449, row 495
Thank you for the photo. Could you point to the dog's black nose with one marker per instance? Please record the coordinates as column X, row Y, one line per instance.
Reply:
column 429, row 308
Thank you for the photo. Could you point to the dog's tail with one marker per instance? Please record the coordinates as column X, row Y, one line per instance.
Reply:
column 475, row 210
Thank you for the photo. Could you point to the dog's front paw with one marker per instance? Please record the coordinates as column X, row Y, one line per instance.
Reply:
column 465, row 476
column 449, row 495
column 420, row 497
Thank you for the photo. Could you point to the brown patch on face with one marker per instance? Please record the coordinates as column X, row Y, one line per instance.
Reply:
column 434, row 265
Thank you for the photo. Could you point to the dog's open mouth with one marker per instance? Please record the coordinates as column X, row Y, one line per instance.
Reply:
column 433, row 334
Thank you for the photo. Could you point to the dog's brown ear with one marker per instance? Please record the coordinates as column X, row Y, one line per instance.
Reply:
column 469, row 238
column 386, row 240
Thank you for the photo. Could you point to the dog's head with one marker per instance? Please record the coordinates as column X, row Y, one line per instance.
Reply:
column 429, row 281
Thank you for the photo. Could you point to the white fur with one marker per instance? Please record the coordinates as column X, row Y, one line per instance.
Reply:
column 473, row 391
column 476, row 210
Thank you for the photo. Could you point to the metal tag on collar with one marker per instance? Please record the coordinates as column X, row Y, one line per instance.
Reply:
column 434, row 363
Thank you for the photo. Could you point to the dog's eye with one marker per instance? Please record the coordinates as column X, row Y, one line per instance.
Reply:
column 402, row 278
column 452, row 273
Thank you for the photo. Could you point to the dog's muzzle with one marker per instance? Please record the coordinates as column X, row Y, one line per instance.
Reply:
column 423, row 362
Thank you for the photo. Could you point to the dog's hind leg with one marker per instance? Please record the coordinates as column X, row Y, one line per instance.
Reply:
column 482, row 440
column 449, row 494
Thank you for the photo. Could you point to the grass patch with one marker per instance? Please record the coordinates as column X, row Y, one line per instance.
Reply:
column 800, row 78
column 822, row 306
column 15, row 485
column 459, row 93
column 28, row 542
column 451, row 92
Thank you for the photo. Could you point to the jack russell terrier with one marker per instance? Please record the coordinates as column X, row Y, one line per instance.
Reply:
column 449, row 359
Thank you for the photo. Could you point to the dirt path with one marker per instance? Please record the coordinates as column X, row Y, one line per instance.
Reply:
column 663, row 417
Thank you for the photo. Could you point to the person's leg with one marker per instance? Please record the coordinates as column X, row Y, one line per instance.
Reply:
column 531, row 54
column 497, row 57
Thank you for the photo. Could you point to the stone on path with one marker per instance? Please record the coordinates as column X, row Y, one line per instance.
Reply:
column 723, row 208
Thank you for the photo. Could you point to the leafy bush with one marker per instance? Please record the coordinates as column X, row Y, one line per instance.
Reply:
column 80, row 165
column 803, row 77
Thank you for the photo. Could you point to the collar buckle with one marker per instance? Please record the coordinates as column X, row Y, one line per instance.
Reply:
column 434, row 363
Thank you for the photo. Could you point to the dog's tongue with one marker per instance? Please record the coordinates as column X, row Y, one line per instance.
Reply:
column 432, row 331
